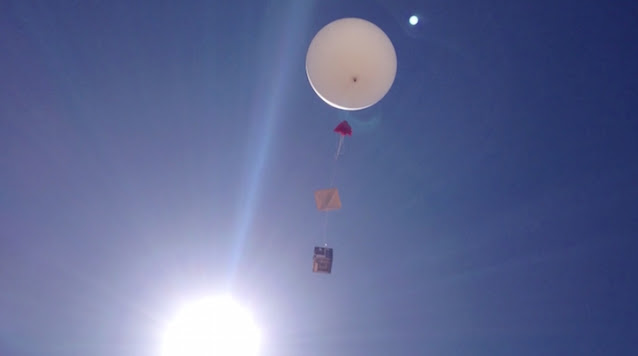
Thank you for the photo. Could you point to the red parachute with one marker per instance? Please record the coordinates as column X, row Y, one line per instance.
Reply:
column 343, row 128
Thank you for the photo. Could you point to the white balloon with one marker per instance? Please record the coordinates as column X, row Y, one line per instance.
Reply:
column 351, row 64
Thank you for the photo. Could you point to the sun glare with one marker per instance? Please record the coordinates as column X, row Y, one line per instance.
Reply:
column 216, row 326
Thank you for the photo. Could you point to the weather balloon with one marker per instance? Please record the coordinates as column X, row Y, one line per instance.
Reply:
column 351, row 64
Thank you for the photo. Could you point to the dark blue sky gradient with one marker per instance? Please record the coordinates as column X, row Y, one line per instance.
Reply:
column 153, row 151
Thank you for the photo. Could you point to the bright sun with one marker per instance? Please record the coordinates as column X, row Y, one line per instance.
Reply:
column 211, row 326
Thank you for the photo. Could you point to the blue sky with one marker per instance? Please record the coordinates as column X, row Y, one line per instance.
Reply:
column 151, row 151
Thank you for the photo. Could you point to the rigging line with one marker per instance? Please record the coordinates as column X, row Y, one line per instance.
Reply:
column 325, row 229
column 334, row 164
column 332, row 180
